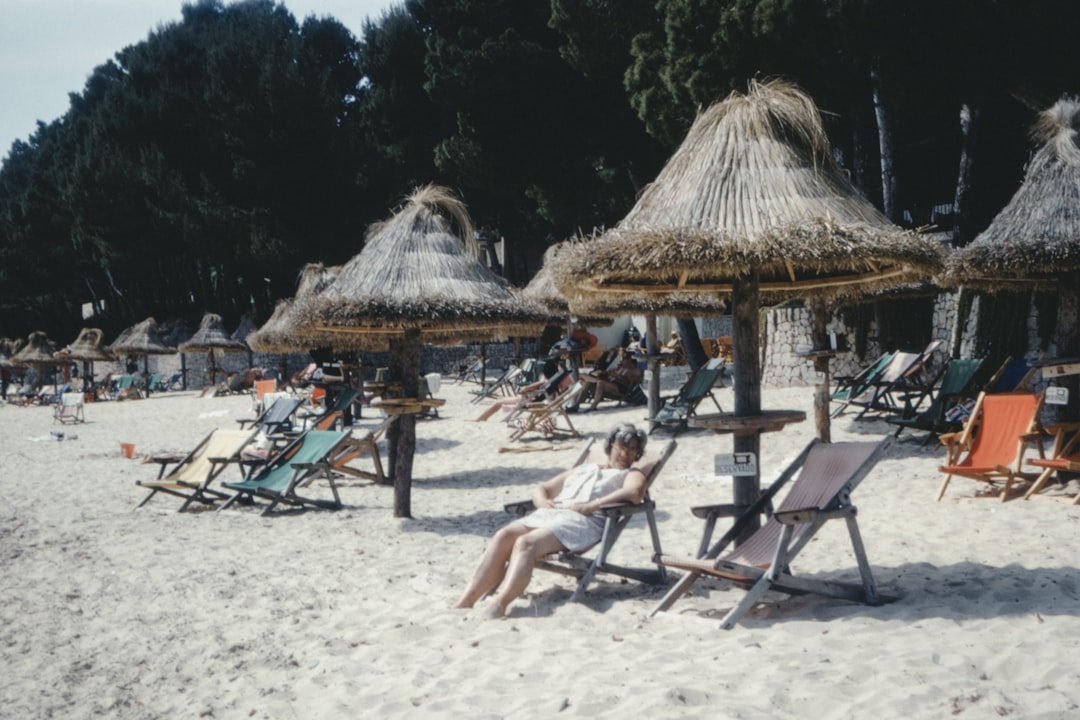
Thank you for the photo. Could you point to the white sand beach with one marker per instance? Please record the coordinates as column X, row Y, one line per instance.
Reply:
column 106, row 611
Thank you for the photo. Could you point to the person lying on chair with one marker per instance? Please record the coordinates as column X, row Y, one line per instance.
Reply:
column 566, row 519
column 553, row 381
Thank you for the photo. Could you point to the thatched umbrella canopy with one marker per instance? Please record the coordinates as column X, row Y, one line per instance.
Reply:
column 750, row 206
column 242, row 332
column 212, row 336
column 8, row 347
column 542, row 291
column 1034, row 242
column 88, row 346
column 280, row 334
column 418, row 271
column 37, row 352
column 418, row 279
column 142, row 339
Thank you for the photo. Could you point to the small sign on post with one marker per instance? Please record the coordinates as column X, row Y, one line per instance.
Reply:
column 742, row 464
column 1057, row 395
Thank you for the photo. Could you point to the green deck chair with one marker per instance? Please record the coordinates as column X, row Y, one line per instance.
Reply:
column 311, row 455
column 957, row 378
column 676, row 410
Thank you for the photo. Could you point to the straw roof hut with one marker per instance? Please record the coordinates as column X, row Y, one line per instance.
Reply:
column 142, row 338
column 1034, row 242
column 279, row 334
column 418, row 271
column 88, row 346
column 542, row 291
column 38, row 350
column 752, row 189
column 212, row 336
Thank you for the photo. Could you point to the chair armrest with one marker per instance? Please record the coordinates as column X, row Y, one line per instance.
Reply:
column 725, row 510
column 812, row 514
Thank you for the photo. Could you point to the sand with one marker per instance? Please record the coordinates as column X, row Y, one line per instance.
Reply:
column 108, row 611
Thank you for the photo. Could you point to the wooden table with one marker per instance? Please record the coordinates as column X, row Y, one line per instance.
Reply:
column 729, row 423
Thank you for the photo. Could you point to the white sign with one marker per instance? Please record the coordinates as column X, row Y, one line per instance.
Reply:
column 1057, row 395
column 1061, row 370
column 736, row 464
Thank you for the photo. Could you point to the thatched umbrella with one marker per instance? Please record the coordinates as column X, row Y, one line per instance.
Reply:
column 416, row 280
column 89, row 348
column 243, row 330
column 8, row 347
column 280, row 333
column 1034, row 242
column 212, row 336
column 141, row 340
column 37, row 352
column 750, row 206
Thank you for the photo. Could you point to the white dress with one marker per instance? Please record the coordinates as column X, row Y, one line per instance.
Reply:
column 576, row 531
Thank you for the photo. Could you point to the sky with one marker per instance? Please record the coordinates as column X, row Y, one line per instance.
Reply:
column 48, row 48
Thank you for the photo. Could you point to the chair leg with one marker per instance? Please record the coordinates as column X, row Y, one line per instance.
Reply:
column 944, row 484
column 869, row 587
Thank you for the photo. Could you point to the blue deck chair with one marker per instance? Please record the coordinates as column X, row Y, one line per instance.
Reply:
column 935, row 418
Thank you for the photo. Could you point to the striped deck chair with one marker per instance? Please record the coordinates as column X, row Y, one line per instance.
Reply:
column 827, row 473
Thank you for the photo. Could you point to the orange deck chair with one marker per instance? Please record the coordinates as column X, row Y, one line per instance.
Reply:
column 1064, row 457
column 991, row 446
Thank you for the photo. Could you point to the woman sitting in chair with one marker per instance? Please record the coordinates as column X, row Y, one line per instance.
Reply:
column 566, row 519
column 615, row 383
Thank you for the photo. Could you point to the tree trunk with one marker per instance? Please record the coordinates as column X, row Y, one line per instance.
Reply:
column 883, row 115
column 970, row 125
column 691, row 340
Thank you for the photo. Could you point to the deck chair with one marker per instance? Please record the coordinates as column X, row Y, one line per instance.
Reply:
column 1064, row 458
column 544, row 417
column 934, row 419
column 504, row 385
column 261, row 388
column 878, row 395
column 324, row 419
column 275, row 419
column 366, row 445
column 616, row 518
column 991, row 446
column 69, row 409
column 827, row 475
column 313, row 454
column 123, row 384
column 677, row 409
column 1014, row 375
column 849, row 387
column 472, row 371
column 191, row 475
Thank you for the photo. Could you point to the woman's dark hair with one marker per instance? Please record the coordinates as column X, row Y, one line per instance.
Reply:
column 624, row 433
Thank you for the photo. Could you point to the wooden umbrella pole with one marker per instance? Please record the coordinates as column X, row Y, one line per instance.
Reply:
column 822, row 422
column 747, row 390
column 653, row 366
column 407, row 360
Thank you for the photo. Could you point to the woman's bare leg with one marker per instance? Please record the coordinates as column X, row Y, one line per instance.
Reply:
column 528, row 548
column 492, row 566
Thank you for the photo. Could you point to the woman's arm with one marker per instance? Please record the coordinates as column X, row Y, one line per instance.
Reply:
column 544, row 494
column 632, row 491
